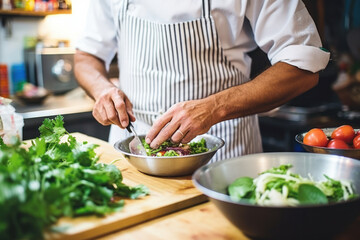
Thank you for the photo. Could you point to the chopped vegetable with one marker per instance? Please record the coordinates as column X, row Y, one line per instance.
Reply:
column 169, row 148
column 55, row 177
column 279, row 187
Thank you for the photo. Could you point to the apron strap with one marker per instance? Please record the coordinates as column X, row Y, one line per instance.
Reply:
column 121, row 15
column 126, row 4
column 206, row 8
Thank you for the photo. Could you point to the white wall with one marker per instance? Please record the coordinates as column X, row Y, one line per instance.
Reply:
column 53, row 27
column 11, row 46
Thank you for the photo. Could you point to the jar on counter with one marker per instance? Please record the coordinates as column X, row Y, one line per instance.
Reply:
column 11, row 123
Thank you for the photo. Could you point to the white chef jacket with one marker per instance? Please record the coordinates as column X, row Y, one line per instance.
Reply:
column 282, row 29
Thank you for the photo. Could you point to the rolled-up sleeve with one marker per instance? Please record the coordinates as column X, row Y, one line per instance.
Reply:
column 98, row 33
column 287, row 33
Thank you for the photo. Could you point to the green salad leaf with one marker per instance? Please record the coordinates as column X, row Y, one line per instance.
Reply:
column 198, row 147
column 56, row 176
column 309, row 194
column 280, row 187
column 242, row 188
column 169, row 148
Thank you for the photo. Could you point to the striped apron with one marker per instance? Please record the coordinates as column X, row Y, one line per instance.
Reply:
column 162, row 64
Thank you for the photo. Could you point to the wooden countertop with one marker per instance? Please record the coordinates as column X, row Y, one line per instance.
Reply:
column 174, row 210
column 203, row 221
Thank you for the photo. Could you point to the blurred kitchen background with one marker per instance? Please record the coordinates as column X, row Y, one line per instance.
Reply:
column 36, row 54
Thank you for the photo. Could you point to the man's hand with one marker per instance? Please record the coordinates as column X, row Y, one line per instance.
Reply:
column 182, row 122
column 274, row 87
column 113, row 107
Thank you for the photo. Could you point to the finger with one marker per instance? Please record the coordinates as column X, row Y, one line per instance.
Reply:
column 122, row 118
column 188, row 137
column 178, row 135
column 111, row 114
column 99, row 114
column 129, row 110
column 165, row 134
column 158, row 126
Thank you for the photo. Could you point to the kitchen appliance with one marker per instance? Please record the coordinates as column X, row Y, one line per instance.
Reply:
column 51, row 68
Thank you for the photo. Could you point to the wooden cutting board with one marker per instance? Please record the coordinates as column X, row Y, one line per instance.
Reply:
column 203, row 221
column 167, row 195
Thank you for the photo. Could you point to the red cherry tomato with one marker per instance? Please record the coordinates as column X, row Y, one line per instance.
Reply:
column 345, row 133
column 161, row 153
column 356, row 142
column 337, row 144
column 316, row 137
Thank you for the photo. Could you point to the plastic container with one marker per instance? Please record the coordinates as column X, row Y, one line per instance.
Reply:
column 11, row 123
column 18, row 77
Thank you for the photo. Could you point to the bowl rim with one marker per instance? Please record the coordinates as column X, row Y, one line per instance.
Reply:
column 300, row 136
column 222, row 143
column 226, row 198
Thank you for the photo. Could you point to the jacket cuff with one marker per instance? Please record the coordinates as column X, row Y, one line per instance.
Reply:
column 304, row 57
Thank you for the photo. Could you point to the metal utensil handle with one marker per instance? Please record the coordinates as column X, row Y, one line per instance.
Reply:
column 130, row 127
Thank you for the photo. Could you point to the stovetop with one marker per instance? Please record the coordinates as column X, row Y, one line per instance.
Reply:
column 333, row 110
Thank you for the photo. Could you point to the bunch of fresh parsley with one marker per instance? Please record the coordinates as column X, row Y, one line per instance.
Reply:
column 56, row 176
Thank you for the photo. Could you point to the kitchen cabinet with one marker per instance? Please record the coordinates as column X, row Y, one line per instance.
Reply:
column 74, row 106
column 82, row 122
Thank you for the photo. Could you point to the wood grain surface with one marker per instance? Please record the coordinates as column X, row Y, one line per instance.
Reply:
column 201, row 222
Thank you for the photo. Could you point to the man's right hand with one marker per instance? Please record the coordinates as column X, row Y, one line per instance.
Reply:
column 112, row 106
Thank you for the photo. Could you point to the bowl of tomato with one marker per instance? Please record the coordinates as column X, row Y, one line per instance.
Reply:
column 343, row 140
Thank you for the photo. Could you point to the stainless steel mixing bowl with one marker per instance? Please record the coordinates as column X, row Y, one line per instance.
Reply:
column 353, row 153
column 171, row 166
column 303, row 222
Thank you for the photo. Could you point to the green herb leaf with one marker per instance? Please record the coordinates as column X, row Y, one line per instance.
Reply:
column 240, row 188
column 55, row 177
column 309, row 194
column 282, row 169
column 194, row 147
